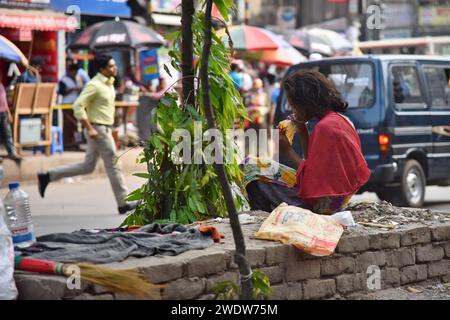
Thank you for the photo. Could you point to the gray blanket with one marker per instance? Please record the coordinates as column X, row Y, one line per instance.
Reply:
column 105, row 246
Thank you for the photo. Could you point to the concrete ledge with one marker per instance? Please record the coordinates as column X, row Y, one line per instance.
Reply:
column 31, row 165
column 406, row 255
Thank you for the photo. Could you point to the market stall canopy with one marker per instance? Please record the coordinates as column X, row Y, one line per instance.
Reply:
column 41, row 20
column 116, row 34
column 10, row 52
column 249, row 38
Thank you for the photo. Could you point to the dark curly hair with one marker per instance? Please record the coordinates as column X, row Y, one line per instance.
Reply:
column 314, row 93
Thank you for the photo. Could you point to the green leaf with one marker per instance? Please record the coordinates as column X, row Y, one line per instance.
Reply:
column 172, row 35
column 135, row 195
column 142, row 175
column 223, row 6
column 166, row 101
column 192, row 204
column 167, row 70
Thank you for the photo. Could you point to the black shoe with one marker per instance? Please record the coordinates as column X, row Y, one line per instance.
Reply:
column 128, row 207
column 43, row 181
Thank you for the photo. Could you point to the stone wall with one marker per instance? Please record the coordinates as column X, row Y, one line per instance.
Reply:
column 412, row 254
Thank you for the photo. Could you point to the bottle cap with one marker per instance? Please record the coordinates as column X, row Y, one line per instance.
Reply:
column 13, row 185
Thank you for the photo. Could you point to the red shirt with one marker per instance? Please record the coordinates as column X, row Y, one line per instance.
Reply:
column 335, row 164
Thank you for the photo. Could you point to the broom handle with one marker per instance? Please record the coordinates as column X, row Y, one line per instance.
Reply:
column 35, row 265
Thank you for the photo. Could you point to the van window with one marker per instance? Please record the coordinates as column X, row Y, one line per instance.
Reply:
column 353, row 80
column 437, row 79
column 406, row 86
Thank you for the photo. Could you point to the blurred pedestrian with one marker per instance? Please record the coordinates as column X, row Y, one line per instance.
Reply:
column 69, row 87
column 32, row 74
column 131, row 79
column 236, row 76
column 6, row 119
column 81, row 73
column 95, row 108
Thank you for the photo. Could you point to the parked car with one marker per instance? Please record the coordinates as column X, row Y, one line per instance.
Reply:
column 400, row 105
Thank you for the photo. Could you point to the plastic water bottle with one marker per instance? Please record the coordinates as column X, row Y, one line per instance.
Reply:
column 18, row 216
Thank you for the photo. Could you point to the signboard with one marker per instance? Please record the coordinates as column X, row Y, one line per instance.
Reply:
column 287, row 18
column 28, row 4
column 149, row 65
column 107, row 8
column 434, row 16
column 172, row 6
column 398, row 15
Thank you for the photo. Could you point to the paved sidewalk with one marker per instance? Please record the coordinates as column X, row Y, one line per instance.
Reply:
column 32, row 164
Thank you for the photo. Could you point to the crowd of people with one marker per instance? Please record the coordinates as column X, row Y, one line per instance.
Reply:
column 259, row 86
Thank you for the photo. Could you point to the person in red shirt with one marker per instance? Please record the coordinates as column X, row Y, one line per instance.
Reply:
column 333, row 168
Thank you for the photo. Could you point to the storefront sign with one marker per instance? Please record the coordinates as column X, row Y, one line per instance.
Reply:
column 106, row 8
column 45, row 48
column 36, row 4
column 434, row 16
column 398, row 15
column 16, row 34
column 149, row 65
column 42, row 22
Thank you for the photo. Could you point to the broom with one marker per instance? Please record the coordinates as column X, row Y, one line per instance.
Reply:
column 119, row 281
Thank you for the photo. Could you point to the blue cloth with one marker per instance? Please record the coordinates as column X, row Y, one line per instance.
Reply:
column 28, row 77
column 275, row 95
column 237, row 79
column 8, row 53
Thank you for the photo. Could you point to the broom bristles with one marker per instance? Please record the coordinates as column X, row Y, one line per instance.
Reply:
column 120, row 281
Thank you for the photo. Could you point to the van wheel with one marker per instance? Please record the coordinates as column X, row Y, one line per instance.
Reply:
column 413, row 184
column 411, row 192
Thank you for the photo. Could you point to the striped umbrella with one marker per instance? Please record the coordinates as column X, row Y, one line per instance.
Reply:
column 249, row 38
column 285, row 55
column 9, row 51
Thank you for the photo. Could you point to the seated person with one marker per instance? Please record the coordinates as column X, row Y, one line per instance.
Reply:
column 334, row 167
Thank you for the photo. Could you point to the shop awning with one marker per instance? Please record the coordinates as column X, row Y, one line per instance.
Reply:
column 42, row 20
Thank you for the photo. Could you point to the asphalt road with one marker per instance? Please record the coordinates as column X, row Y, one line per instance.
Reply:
column 89, row 203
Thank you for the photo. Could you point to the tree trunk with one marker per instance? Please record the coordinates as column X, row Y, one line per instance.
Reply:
column 244, row 268
column 187, row 51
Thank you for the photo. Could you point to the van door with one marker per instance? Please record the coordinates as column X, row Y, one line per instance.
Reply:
column 437, row 79
column 410, row 124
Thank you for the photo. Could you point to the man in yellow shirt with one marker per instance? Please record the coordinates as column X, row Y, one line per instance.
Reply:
column 95, row 109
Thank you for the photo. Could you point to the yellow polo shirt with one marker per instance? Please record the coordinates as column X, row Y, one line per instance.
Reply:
column 96, row 101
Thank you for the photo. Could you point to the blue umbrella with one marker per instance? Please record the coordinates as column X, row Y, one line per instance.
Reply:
column 9, row 51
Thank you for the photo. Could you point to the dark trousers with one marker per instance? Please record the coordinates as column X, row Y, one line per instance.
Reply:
column 267, row 196
column 5, row 131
